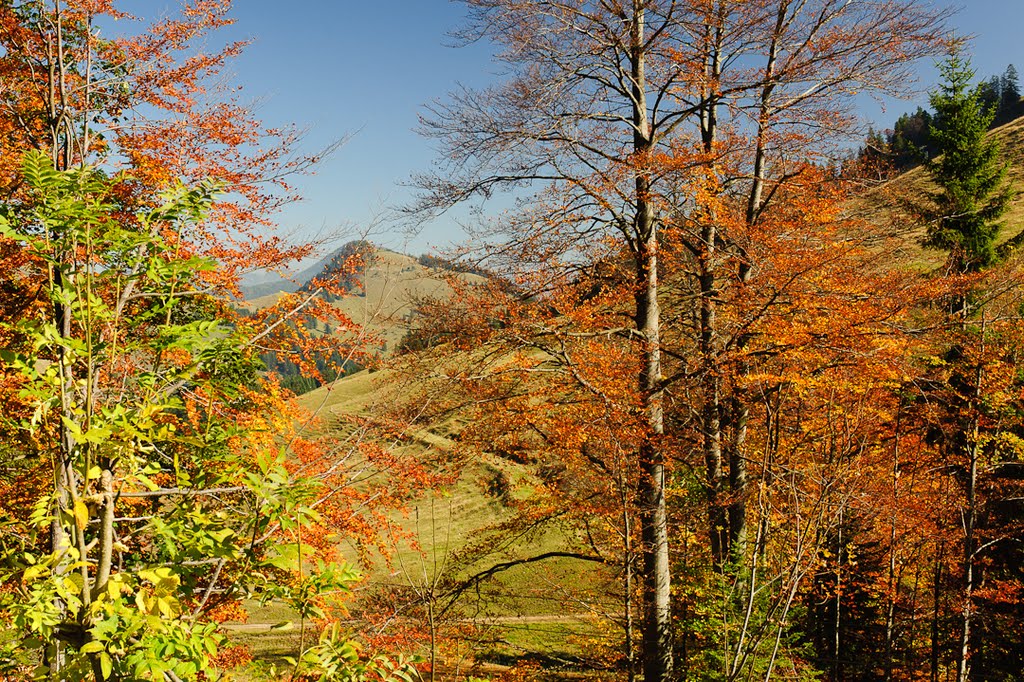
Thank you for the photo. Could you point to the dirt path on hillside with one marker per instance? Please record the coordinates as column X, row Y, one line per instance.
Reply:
column 495, row 620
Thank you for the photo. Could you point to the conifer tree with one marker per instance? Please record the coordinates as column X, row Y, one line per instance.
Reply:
column 964, row 219
column 990, row 93
column 908, row 140
column 973, row 192
column 1009, row 91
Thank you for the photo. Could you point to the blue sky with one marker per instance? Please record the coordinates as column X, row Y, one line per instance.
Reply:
column 364, row 68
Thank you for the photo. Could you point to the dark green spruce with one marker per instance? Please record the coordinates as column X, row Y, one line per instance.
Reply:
column 963, row 214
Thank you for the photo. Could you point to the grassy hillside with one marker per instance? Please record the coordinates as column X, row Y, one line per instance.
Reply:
column 888, row 206
column 391, row 284
column 529, row 611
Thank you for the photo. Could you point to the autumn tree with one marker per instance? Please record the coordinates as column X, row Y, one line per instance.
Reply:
column 544, row 124
column 638, row 124
column 149, row 100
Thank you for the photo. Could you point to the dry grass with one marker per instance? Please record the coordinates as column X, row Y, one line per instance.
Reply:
column 888, row 206
column 528, row 610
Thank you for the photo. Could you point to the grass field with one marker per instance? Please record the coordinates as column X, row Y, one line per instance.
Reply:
column 529, row 613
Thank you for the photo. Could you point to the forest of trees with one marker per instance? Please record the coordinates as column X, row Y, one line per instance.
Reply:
column 761, row 441
column 906, row 145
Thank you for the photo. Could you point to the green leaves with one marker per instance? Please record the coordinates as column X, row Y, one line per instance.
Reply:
column 285, row 556
column 159, row 495
column 38, row 171
column 182, row 203
column 973, row 189
column 337, row 659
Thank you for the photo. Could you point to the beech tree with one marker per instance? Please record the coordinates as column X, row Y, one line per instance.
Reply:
column 638, row 120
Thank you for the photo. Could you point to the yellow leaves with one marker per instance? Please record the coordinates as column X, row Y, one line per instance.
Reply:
column 81, row 514
column 33, row 573
column 106, row 663
column 115, row 587
column 160, row 599
column 1007, row 446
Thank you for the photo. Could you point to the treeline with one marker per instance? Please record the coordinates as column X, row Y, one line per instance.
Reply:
column 435, row 262
column 293, row 376
column 906, row 146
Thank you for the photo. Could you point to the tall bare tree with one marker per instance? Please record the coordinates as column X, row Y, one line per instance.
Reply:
column 615, row 111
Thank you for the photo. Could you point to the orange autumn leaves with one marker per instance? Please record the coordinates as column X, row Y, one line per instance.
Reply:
column 210, row 459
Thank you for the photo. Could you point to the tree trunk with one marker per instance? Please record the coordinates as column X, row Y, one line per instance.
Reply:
column 657, row 643
column 711, row 420
column 970, row 515
column 653, row 513
column 738, row 476
column 711, row 409
column 936, row 608
column 963, row 668
column 627, row 600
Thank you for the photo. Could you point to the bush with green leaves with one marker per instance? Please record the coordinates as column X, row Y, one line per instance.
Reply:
column 149, row 488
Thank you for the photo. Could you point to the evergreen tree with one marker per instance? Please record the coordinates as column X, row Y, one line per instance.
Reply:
column 973, row 192
column 874, row 152
column 908, row 142
column 990, row 93
column 1009, row 94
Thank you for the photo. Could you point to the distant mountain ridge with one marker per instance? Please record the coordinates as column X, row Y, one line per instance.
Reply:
column 384, row 294
column 273, row 283
column 336, row 267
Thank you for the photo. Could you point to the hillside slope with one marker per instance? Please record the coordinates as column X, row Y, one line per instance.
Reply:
column 888, row 206
column 384, row 303
column 531, row 611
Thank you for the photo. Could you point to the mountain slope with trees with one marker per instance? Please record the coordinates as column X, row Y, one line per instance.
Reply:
column 697, row 405
column 905, row 145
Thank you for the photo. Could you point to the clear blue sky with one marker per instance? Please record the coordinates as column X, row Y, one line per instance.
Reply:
column 365, row 68
column 361, row 69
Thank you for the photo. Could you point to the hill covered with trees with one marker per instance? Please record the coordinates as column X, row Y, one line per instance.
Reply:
column 905, row 146
column 703, row 402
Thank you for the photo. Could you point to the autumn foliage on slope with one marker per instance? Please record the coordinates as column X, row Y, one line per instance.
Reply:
column 857, row 460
